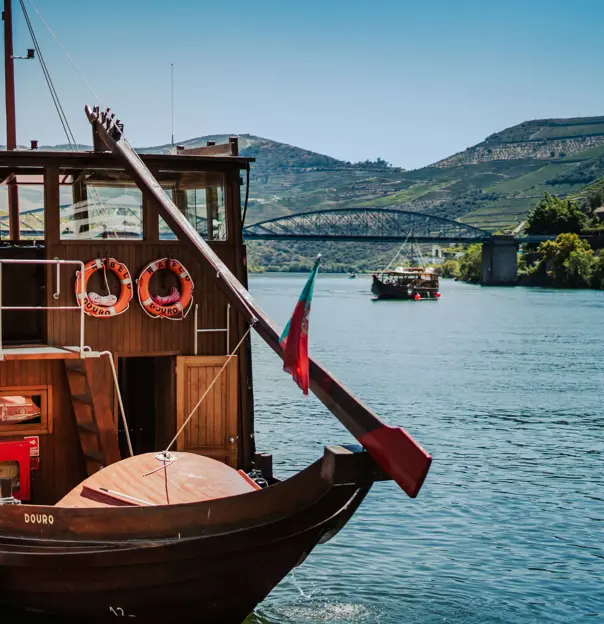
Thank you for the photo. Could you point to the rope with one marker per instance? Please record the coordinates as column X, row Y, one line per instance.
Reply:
column 105, row 276
column 421, row 255
column 75, row 147
column 166, row 482
column 398, row 253
column 208, row 389
column 119, row 398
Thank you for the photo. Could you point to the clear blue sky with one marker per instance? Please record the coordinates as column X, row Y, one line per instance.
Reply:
column 411, row 81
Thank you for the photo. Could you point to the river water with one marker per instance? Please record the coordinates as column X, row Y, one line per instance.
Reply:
column 504, row 388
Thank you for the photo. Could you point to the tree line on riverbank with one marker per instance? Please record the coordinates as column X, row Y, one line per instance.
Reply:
column 566, row 262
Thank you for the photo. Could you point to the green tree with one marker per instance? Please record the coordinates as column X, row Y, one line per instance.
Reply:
column 449, row 268
column 553, row 215
column 568, row 261
column 470, row 264
column 597, row 276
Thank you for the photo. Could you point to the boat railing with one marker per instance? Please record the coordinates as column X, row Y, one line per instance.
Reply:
column 58, row 263
column 226, row 330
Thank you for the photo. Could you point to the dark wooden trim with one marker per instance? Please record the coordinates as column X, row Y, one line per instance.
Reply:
column 343, row 466
column 132, row 241
column 150, row 222
column 232, row 201
column 212, row 210
column 44, row 426
column 11, row 124
column 14, row 223
column 12, row 160
column 247, row 443
column 52, row 217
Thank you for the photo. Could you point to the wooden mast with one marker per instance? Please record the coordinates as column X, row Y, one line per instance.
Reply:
column 395, row 451
column 11, row 124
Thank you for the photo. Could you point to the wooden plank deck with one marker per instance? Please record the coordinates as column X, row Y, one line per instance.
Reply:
column 38, row 352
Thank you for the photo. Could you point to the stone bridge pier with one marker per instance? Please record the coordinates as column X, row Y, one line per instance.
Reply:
column 500, row 261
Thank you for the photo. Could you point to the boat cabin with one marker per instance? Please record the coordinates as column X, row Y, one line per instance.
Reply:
column 69, row 213
column 412, row 276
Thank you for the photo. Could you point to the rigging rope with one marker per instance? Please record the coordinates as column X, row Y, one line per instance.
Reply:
column 55, row 96
column 53, row 92
column 398, row 253
column 421, row 255
column 98, row 99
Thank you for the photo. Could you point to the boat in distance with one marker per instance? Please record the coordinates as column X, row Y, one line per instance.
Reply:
column 408, row 283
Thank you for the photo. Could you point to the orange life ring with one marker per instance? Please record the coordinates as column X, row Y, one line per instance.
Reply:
column 179, row 307
column 99, row 310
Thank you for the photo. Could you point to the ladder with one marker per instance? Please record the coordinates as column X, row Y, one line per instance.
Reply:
column 93, row 414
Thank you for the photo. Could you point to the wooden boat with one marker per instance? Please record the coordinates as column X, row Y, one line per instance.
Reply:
column 411, row 283
column 215, row 558
column 132, row 379
column 16, row 409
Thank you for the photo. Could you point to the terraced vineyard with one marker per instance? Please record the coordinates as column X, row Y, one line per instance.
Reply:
column 492, row 185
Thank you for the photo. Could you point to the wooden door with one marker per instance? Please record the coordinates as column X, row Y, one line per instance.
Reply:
column 212, row 430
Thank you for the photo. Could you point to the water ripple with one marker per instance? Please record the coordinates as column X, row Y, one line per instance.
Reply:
column 503, row 386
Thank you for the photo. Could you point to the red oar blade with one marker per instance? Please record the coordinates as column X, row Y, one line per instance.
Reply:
column 399, row 456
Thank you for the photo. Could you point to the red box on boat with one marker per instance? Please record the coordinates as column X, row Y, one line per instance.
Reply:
column 18, row 452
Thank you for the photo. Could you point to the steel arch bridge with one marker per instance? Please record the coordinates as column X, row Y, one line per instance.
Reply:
column 365, row 224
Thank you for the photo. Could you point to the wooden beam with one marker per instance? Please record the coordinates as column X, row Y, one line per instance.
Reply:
column 392, row 448
column 103, row 160
column 52, row 217
column 344, row 466
column 232, row 203
column 11, row 124
column 150, row 221
column 79, row 198
column 211, row 209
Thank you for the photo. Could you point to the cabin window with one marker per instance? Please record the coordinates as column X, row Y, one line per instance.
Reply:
column 200, row 197
column 100, row 204
column 31, row 208
column 25, row 410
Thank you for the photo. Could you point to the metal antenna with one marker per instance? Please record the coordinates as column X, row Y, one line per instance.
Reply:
column 172, row 99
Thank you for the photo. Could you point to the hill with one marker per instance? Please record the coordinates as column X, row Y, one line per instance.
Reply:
column 492, row 185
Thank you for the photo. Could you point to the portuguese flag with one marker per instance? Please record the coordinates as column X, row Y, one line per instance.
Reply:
column 294, row 339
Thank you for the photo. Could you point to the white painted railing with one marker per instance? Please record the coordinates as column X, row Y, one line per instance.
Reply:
column 226, row 329
column 56, row 295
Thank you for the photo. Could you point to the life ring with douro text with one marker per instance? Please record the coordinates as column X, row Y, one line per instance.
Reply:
column 107, row 305
column 174, row 306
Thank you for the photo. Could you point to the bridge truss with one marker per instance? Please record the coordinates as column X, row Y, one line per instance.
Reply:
column 365, row 224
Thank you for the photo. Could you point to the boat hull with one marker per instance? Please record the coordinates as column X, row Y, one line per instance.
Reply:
column 383, row 290
column 214, row 560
